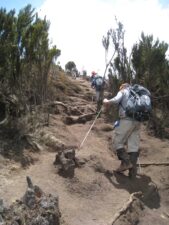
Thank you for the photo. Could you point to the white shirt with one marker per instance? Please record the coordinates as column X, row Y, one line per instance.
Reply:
column 121, row 98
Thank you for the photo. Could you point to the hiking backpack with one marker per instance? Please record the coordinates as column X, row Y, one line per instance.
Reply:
column 98, row 83
column 139, row 103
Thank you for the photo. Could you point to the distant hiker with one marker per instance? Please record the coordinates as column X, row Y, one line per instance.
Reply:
column 127, row 133
column 98, row 84
column 93, row 76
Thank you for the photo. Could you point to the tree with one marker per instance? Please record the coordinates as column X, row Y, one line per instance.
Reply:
column 151, row 68
column 70, row 65
column 119, row 62
column 26, row 57
column 149, row 62
column 7, row 45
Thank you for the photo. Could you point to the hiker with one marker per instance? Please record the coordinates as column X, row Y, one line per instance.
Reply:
column 93, row 76
column 98, row 84
column 127, row 133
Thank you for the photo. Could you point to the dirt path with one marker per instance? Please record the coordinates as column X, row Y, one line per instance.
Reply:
column 91, row 197
column 81, row 198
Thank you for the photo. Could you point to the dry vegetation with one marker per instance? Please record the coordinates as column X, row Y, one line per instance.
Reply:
column 61, row 87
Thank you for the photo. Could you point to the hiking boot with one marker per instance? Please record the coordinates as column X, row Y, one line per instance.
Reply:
column 123, row 167
column 125, row 160
column 132, row 173
column 133, row 159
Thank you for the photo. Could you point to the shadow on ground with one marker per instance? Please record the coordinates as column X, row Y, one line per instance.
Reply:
column 143, row 183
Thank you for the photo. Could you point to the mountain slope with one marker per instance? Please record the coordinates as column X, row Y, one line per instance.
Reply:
column 94, row 194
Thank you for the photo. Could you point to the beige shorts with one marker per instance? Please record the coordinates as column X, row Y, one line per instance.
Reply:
column 127, row 134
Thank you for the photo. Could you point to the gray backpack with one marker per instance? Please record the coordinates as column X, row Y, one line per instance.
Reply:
column 99, row 83
column 139, row 103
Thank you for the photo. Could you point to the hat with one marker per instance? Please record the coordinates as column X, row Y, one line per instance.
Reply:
column 93, row 73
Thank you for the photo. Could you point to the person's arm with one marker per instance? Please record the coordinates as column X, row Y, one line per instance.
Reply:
column 116, row 99
column 93, row 83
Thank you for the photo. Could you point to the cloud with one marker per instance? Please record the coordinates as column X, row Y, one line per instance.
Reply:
column 77, row 26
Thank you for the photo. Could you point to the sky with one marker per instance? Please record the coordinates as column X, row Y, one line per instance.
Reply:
column 19, row 4
column 77, row 26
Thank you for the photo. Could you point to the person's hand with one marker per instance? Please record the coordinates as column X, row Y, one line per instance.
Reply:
column 105, row 101
column 106, row 104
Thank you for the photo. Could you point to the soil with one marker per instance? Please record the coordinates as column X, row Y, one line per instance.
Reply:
column 94, row 195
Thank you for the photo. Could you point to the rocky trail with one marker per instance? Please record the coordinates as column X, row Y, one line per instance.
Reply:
column 93, row 195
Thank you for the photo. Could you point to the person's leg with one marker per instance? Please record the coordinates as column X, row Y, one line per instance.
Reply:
column 133, row 149
column 121, row 134
column 133, row 159
column 99, row 100
column 125, row 160
column 97, row 96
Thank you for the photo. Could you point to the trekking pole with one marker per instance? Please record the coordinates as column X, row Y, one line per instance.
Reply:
column 107, row 65
column 90, row 129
